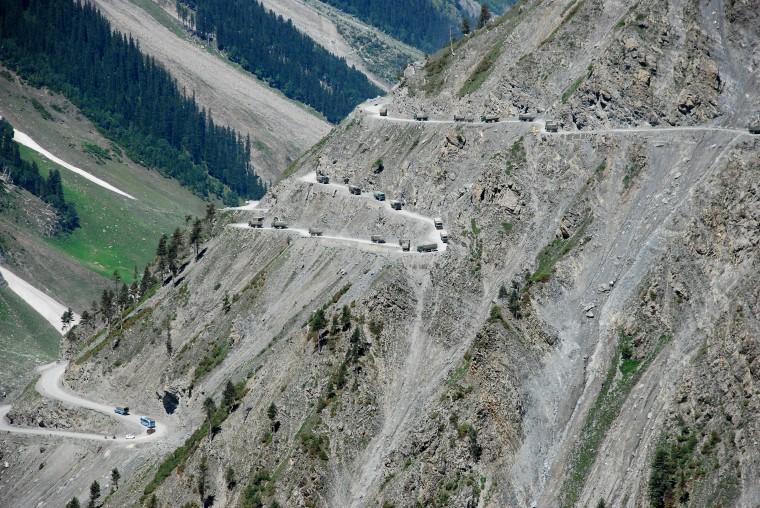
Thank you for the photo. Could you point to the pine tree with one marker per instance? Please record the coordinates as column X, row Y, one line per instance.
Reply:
column 484, row 17
column 465, row 28
column 195, row 235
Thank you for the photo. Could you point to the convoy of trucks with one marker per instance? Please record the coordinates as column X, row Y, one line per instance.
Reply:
column 444, row 236
column 462, row 118
column 427, row 247
column 489, row 118
column 405, row 245
column 551, row 126
column 527, row 117
column 438, row 223
column 421, row 117
column 315, row 232
column 280, row 224
column 256, row 222
column 379, row 195
column 377, row 239
column 355, row 189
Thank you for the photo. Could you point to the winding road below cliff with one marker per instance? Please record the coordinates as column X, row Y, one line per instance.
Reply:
column 49, row 386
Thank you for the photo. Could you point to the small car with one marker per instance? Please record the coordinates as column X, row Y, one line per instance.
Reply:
column 130, row 436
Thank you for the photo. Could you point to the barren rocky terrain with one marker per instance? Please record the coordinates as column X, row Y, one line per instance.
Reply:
column 588, row 334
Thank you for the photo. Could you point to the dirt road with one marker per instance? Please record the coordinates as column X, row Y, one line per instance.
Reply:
column 23, row 139
column 49, row 385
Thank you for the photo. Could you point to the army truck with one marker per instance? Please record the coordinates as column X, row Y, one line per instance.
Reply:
column 427, row 247
column 323, row 179
column 315, row 232
column 395, row 204
column 489, row 118
column 383, row 111
column 552, row 126
column 444, row 236
column 256, row 222
column 280, row 224
column 438, row 223
column 459, row 118
column 754, row 129
column 421, row 117
column 355, row 189
column 526, row 117
column 377, row 239
column 405, row 245
column 379, row 195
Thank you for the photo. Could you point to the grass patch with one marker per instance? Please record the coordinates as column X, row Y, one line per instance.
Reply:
column 25, row 338
column 44, row 113
column 630, row 173
column 555, row 251
column 211, row 360
column 621, row 378
column 482, row 70
column 436, row 66
column 100, row 154
column 117, row 233
column 573, row 88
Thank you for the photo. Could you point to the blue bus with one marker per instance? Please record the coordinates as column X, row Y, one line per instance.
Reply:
column 148, row 422
column 121, row 410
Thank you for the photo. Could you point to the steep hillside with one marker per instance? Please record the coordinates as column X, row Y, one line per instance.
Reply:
column 281, row 130
column 587, row 334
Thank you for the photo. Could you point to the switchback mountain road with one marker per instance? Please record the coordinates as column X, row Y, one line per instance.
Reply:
column 311, row 178
column 372, row 109
column 49, row 386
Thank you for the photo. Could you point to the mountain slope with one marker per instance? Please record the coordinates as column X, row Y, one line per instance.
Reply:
column 283, row 129
column 587, row 334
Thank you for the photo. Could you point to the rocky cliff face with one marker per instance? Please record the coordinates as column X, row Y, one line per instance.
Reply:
column 589, row 332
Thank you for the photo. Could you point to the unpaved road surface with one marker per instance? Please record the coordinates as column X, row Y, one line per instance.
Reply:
column 49, row 385
column 24, row 139
column 46, row 306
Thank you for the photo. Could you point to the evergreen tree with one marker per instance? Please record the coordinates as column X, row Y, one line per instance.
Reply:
column 229, row 396
column 115, row 477
column 465, row 28
column 94, row 492
column 74, row 503
column 70, row 48
column 195, row 234
column 484, row 17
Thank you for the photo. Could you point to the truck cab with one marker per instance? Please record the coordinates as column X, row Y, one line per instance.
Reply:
column 379, row 195
column 438, row 223
column 315, row 232
column 444, row 236
column 527, row 117
column 256, row 222
column 377, row 239
column 395, row 204
column 754, row 129
column 323, row 179
column 405, row 245
column 355, row 189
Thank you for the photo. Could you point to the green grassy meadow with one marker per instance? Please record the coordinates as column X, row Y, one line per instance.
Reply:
column 26, row 339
